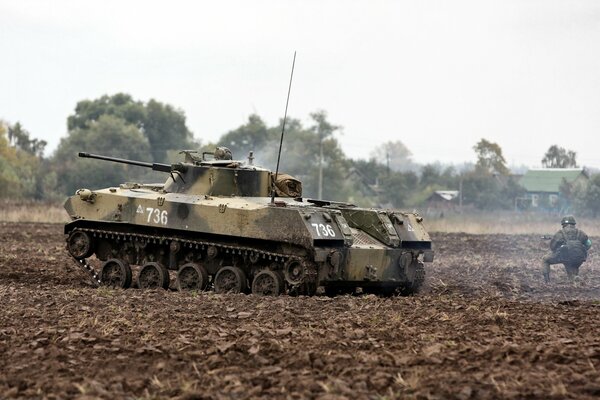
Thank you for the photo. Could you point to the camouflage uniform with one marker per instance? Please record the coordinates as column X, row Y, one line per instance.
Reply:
column 560, row 253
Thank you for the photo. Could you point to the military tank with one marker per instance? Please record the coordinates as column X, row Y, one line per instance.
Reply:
column 217, row 223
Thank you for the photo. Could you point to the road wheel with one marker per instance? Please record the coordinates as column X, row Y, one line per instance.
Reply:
column 230, row 280
column 192, row 276
column 115, row 273
column 153, row 275
column 267, row 283
column 294, row 272
column 79, row 245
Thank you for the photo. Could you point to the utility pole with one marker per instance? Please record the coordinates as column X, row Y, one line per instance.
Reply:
column 460, row 192
column 387, row 159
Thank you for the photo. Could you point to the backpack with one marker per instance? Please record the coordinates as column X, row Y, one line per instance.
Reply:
column 573, row 251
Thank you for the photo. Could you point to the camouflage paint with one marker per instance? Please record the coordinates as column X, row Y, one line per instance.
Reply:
column 231, row 201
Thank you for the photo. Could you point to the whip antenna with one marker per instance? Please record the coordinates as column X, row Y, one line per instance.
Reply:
column 282, row 130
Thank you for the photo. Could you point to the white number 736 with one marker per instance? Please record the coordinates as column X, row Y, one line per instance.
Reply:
column 157, row 216
column 324, row 230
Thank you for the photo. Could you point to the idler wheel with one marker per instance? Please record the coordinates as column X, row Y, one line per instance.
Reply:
column 267, row 283
column 153, row 275
column 294, row 272
column 116, row 273
column 230, row 280
column 192, row 276
column 79, row 245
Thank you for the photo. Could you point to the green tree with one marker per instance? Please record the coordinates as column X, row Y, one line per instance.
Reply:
column 120, row 105
column 558, row 157
column 434, row 175
column 163, row 125
column 587, row 197
column 19, row 138
column 165, row 128
column 489, row 186
column 490, row 192
column 109, row 135
column 396, row 188
column 490, row 158
column 369, row 171
column 252, row 136
column 20, row 160
column 9, row 180
column 482, row 190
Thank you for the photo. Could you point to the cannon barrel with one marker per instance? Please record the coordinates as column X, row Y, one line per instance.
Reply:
column 154, row 166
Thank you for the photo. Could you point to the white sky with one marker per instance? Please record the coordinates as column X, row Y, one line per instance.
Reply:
column 438, row 75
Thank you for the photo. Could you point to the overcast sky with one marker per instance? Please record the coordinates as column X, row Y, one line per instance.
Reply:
column 437, row 75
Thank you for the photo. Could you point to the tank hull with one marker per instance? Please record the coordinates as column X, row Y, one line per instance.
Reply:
column 303, row 243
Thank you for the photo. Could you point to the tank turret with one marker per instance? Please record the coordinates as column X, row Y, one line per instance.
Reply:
column 220, row 176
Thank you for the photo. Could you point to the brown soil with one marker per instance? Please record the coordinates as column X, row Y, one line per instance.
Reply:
column 484, row 327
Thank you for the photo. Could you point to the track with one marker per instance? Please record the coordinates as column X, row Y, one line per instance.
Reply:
column 121, row 247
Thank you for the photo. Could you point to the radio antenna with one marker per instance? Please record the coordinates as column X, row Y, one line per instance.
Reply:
column 282, row 131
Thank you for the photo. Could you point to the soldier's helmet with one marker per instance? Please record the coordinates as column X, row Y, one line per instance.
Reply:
column 568, row 220
column 223, row 153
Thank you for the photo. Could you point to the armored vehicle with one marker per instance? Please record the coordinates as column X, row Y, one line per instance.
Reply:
column 235, row 227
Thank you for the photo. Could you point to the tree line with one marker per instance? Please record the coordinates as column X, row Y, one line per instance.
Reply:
column 120, row 126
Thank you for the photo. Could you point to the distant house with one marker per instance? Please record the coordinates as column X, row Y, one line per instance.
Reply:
column 442, row 200
column 543, row 186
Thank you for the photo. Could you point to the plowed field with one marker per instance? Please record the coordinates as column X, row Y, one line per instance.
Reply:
column 484, row 327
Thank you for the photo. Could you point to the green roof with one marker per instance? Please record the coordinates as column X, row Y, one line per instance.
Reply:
column 549, row 179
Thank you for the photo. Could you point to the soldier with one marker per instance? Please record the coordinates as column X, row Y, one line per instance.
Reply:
column 569, row 247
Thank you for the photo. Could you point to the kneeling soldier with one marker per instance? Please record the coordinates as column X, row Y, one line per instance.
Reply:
column 569, row 247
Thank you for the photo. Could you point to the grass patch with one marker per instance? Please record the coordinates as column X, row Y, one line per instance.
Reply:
column 33, row 212
column 505, row 222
